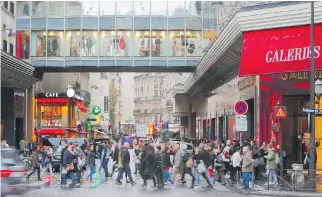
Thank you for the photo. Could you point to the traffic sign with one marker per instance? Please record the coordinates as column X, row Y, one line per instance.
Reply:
column 241, row 107
column 280, row 111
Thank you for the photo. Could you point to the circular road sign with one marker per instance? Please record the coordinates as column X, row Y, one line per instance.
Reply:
column 241, row 107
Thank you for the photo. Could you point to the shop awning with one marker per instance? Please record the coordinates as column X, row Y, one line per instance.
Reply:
column 280, row 50
column 50, row 131
column 17, row 73
column 77, row 131
column 80, row 105
column 52, row 100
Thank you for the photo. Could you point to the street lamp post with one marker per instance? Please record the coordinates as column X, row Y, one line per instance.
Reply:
column 312, row 102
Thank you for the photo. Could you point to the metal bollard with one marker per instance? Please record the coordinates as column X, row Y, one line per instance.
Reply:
column 253, row 173
column 269, row 174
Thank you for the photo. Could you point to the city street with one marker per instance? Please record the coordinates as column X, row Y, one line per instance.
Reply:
column 125, row 190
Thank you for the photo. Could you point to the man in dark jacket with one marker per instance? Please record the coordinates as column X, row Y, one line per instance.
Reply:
column 159, row 167
column 205, row 159
column 125, row 159
column 35, row 164
column 115, row 158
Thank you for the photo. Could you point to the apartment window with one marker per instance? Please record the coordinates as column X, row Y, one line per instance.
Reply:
column 104, row 74
column 4, row 45
column 12, row 8
column 11, row 49
column 113, row 81
column 5, row 4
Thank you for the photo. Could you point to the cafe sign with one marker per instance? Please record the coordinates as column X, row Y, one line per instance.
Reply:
column 51, row 95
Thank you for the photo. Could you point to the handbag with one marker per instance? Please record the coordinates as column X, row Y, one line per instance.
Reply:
column 70, row 166
column 189, row 163
column 259, row 161
column 201, row 168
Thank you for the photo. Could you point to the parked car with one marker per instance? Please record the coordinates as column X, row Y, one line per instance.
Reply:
column 55, row 143
column 13, row 180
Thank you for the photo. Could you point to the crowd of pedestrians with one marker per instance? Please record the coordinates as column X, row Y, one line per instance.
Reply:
column 163, row 163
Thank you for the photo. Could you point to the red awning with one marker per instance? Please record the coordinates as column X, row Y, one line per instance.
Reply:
column 80, row 105
column 50, row 131
column 52, row 100
column 77, row 131
column 280, row 50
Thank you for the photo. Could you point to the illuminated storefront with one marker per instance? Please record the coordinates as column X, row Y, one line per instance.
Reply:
column 59, row 116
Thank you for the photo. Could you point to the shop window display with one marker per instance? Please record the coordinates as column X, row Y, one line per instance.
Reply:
column 38, row 46
column 23, row 8
column 194, row 43
column 23, row 44
column 49, row 116
column 73, row 43
column 178, row 43
column 115, row 44
column 143, row 43
column 54, row 40
column 87, row 43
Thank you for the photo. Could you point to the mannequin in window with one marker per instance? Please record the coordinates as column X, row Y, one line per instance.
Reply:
column 116, row 45
column 150, row 46
column 26, row 9
column 54, row 44
column 122, row 45
column 48, row 45
column 157, row 43
column 142, row 48
column 184, row 43
column 25, row 50
column 191, row 47
column 174, row 46
column 74, row 49
column 89, row 47
column 82, row 45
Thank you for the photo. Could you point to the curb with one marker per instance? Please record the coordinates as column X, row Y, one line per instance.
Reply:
column 38, row 186
column 277, row 193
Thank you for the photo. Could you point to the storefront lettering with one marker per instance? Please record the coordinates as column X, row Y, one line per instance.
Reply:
column 51, row 94
column 246, row 82
column 300, row 75
column 292, row 54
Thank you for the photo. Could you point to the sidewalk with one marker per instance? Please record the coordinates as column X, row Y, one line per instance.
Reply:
column 261, row 191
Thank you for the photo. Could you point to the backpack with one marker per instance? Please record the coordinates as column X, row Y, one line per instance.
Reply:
column 276, row 159
column 185, row 157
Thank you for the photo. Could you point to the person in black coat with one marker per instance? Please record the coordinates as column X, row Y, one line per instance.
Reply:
column 149, row 167
column 159, row 167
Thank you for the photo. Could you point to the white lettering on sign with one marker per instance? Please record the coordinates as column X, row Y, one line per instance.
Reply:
column 51, row 94
column 292, row 54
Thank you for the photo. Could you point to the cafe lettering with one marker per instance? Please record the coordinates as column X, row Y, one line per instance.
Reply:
column 52, row 95
column 300, row 75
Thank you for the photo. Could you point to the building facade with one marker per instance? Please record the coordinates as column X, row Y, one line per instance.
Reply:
column 17, row 77
column 83, row 33
column 153, row 100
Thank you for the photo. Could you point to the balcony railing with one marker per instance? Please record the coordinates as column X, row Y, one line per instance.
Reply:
column 136, row 111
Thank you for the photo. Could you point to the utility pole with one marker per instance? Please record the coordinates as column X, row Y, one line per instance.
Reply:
column 312, row 102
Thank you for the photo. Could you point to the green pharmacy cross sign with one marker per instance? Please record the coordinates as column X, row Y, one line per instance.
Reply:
column 96, row 110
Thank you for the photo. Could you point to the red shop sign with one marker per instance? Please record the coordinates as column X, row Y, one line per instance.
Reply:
column 280, row 50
